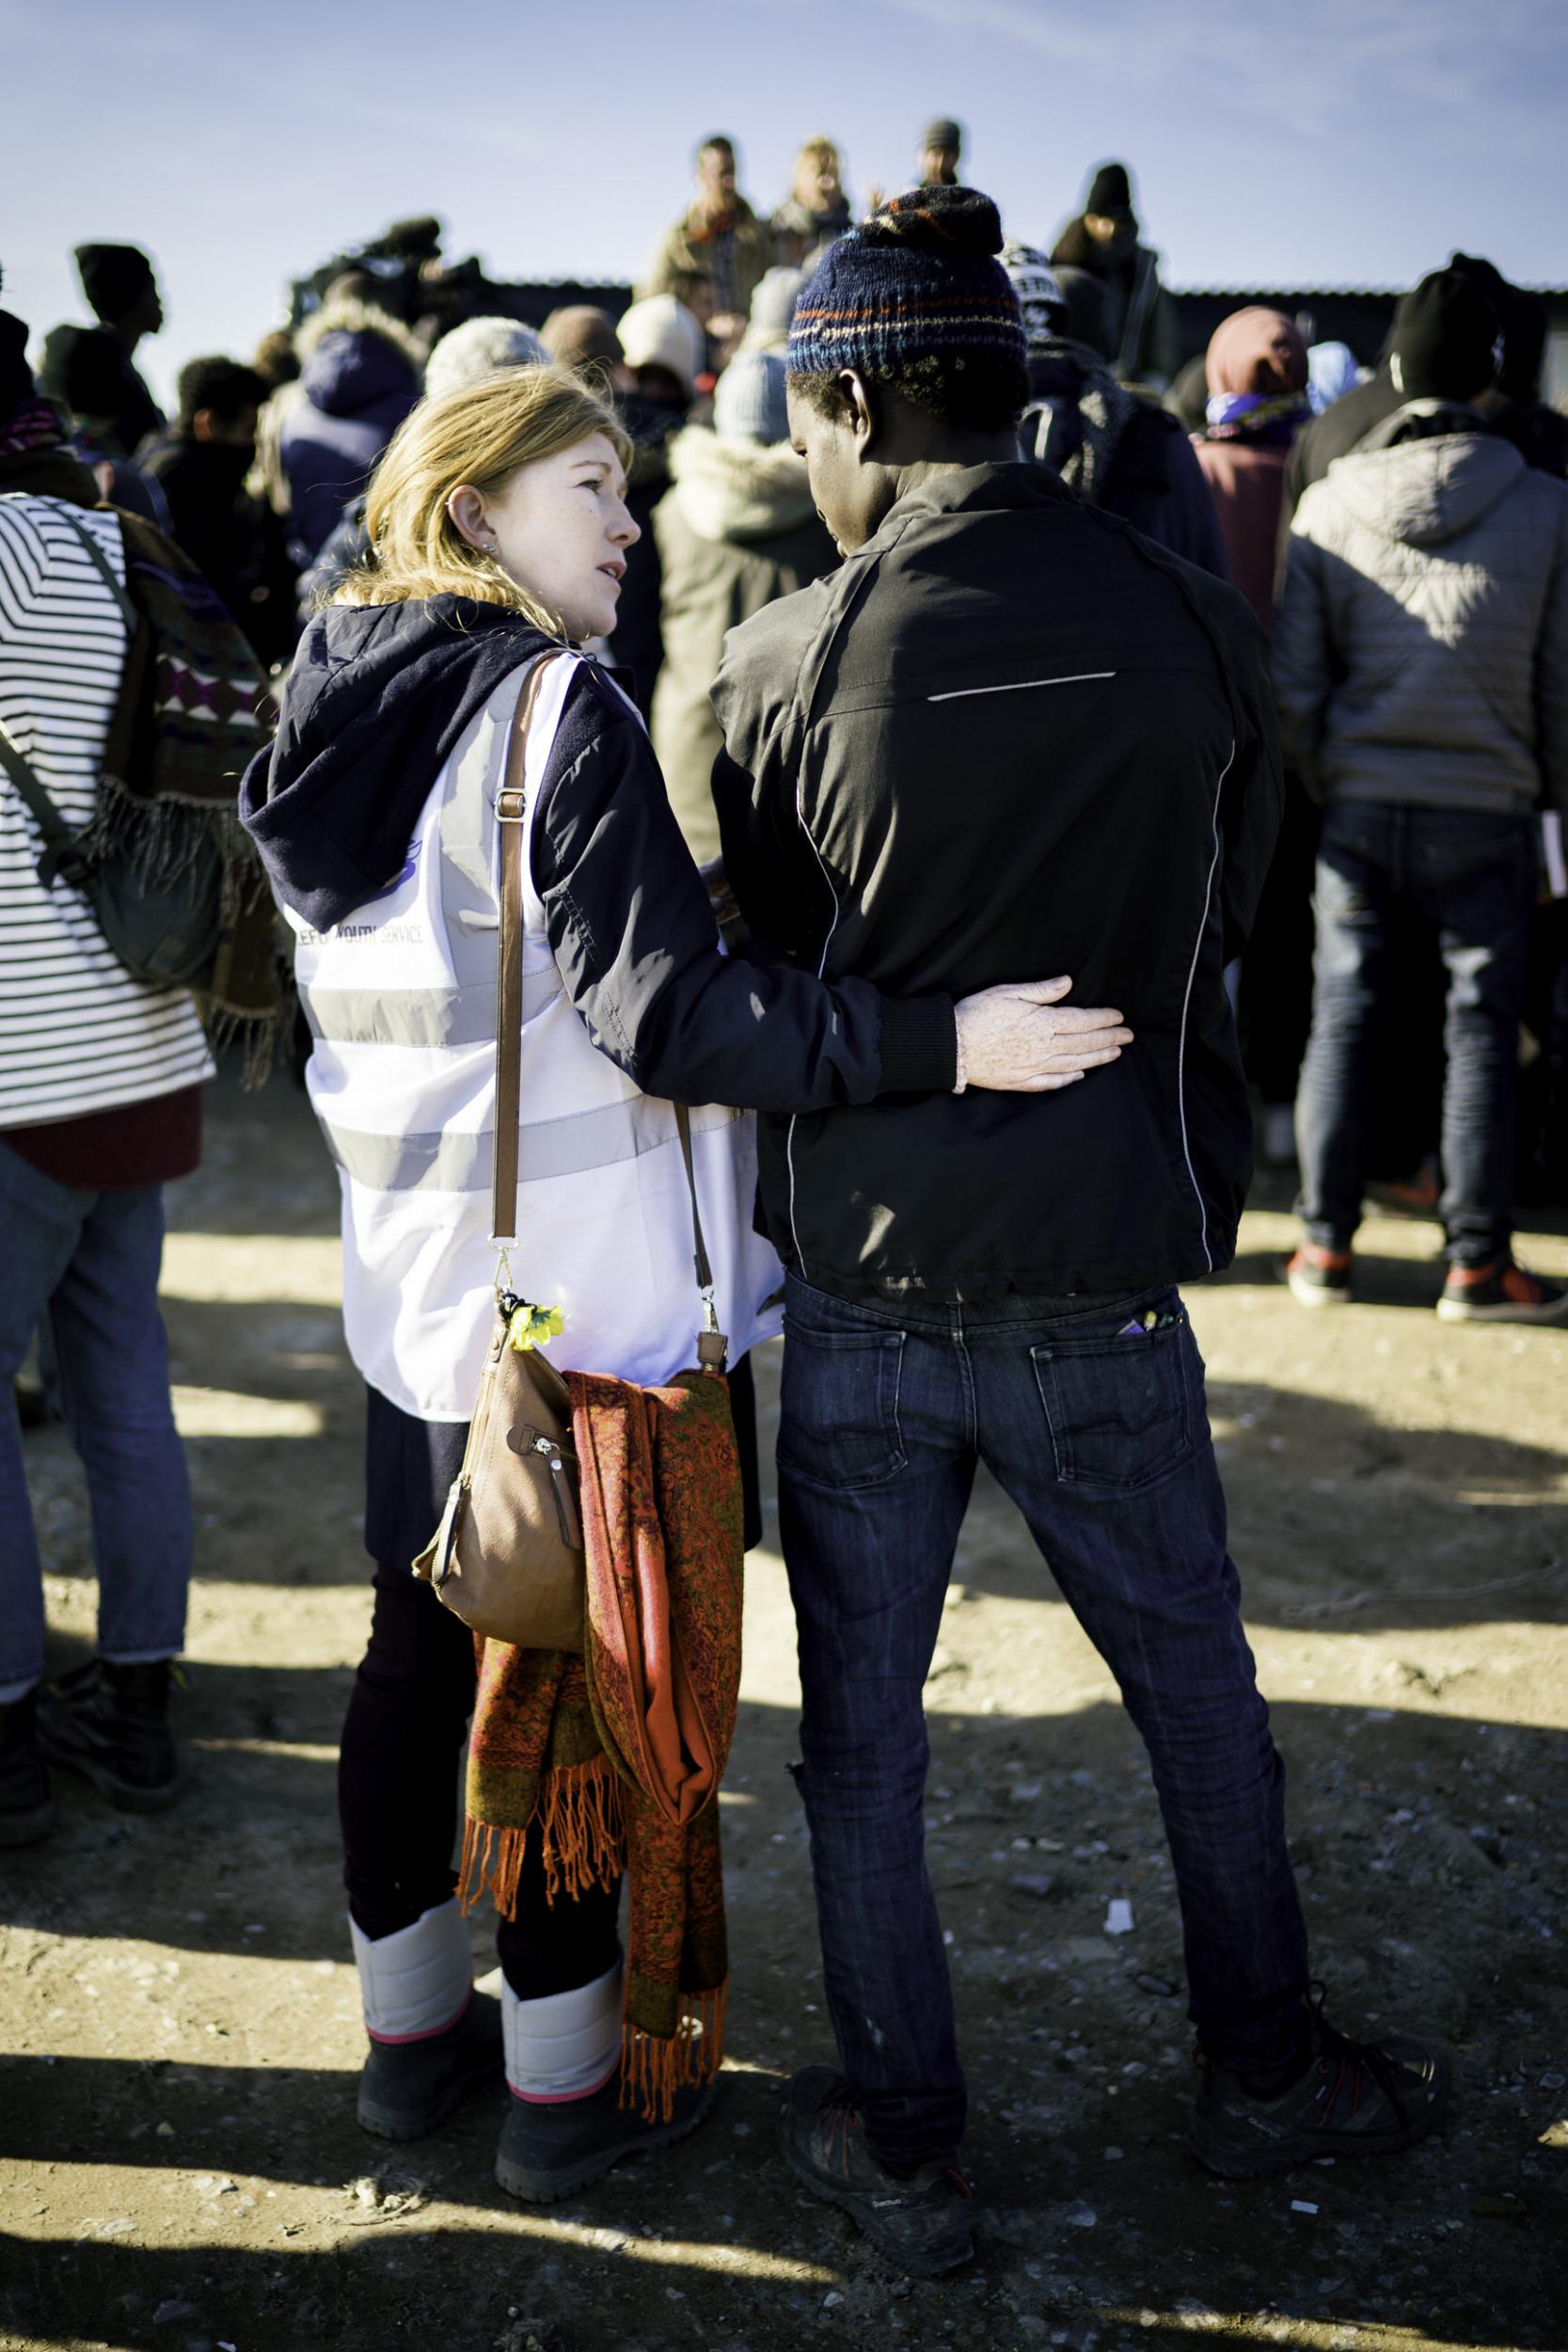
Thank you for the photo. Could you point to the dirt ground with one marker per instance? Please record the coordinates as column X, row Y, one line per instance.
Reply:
column 180, row 2164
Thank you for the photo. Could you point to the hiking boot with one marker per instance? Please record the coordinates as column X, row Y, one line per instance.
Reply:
column 111, row 1724
column 26, row 1807
column 552, row 2147
column 1319, row 1277
column 924, row 2224
column 408, row 2088
column 1348, row 2099
column 1501, row 1291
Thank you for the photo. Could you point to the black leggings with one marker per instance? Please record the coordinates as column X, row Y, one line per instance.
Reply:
column 413, row 1694
column 397, row 1799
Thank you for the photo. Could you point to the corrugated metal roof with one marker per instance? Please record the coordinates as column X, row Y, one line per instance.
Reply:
column 1329, row 294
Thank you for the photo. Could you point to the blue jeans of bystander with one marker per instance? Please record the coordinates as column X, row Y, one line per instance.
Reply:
column 91, row 1260
column 1473, row 877
column 1102, row 1438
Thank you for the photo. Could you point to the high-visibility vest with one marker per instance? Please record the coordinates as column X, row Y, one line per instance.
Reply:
column 401, row 998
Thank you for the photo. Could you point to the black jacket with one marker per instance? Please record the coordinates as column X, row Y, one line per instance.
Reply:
column 231, row 538
column 1009, row 739
column 378, row 697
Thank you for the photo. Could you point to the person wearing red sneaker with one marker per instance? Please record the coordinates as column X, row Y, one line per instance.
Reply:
column 1421, row 668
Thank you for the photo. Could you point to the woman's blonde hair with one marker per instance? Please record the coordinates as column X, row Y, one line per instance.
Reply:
column 480, row 435
column 814, row 152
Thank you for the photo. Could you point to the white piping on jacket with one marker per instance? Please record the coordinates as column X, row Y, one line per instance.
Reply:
column 1019, row 686
column 821, row 968
column 1186, row 1003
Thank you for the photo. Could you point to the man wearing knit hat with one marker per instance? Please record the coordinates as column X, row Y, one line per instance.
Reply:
column 1143, row 338
column 1421, row 661
column 1010, row 734
column 941, row 144
column 123, row 293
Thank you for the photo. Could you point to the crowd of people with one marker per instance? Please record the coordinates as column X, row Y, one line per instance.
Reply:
column 954, row 738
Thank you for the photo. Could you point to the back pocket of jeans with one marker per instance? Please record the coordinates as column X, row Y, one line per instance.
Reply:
column 838, row 1406
column 1119, row 1411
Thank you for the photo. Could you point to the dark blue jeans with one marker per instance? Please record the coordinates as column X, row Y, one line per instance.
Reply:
column 1473, row 878
column 91, row 1260
column 1103, row 1441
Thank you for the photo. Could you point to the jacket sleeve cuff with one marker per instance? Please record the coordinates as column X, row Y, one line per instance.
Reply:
column 919, row 1045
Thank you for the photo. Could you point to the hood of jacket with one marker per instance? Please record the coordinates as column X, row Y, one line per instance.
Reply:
column 354, row 357
column 737, row 490
column 1424, row 491
column 377, row 698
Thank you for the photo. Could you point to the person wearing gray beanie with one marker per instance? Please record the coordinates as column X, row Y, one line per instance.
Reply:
column 940, row 146
column 479, row 347
column 749, row 403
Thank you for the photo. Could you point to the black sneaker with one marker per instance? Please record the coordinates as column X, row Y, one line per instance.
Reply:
column 1319, row 1277
column 1351, row 2099
column 111, row 1724
column 550, row 2150
column 26, row 1807
column 408, row 2088
column 924, row 2224
column 1501, row 1293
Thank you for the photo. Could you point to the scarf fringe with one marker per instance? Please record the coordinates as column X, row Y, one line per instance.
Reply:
column 161, row 840
column 259, row 1036
column 655, row 2066
column 583, row 1835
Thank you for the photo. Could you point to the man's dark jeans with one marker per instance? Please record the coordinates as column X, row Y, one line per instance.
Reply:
column 1472, row 877
column 1103, row 1441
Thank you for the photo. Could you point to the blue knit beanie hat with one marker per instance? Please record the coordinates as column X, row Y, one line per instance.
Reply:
column 919, row 280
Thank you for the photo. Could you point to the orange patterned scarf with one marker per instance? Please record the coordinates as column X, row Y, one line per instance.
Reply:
column 619, row 1754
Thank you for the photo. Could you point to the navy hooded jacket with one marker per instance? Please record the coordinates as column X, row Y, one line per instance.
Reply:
column 359, row 386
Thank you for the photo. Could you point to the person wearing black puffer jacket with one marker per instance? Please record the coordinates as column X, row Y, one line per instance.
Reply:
column 1009, row 733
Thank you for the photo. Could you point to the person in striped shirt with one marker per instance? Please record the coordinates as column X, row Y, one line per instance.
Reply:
column 100, row 1079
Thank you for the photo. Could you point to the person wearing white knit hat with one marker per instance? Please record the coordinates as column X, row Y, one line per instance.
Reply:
column 661, row 332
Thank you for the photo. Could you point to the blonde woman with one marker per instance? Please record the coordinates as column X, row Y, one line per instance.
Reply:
column 816, row 208
column 500, row 536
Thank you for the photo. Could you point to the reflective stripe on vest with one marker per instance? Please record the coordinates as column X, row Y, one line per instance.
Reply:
column 420, row 1016
column 449, row 1162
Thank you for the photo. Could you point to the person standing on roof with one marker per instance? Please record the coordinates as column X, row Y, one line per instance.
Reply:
column 713, row 257
column 1143, row 338
column 122, row 294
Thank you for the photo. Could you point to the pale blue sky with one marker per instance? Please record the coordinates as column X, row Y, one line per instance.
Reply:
column 1275, row 142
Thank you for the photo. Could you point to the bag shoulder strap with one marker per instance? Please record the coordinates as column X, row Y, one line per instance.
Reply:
column 58, row 836
column 511, row 810
column 128, row 612
column 61, row 853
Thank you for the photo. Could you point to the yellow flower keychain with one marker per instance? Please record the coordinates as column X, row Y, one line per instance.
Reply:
column 530, row 1327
